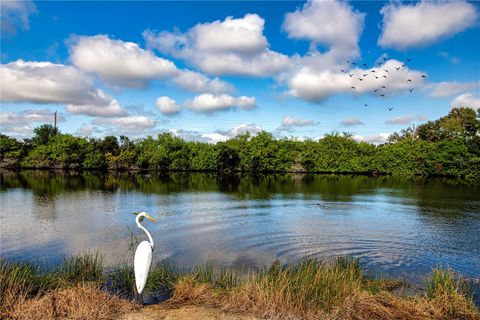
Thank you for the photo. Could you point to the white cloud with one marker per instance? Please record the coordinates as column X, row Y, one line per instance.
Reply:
column 423, row 23
column 119, row 63
column 167, row 105
column 448, row 57
column 351, row 122
column 47, row 83
column 16, row 14
column 375, row 138
column 217, row 136
column 406, row 119
column 85, row 130
column 316, row 86
column 251, row 128
column 22, row 122
column 133, row 124
column 197, row 82
column 450, row 88
column 334, row 24
column 289, row 121
column 125, row 64
column 232, row 46
column 28, row 117
column 210, row 103
column 467, row 100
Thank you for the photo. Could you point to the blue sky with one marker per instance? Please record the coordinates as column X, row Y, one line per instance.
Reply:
column 209, row 70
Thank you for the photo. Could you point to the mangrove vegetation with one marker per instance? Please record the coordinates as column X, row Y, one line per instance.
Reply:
column 449, row 146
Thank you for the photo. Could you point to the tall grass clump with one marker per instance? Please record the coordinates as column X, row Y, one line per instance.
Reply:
column 451, row 293
column 222, row 278
column 121, row 280
column 81, row 268
column 21, row 281
column 163, row 277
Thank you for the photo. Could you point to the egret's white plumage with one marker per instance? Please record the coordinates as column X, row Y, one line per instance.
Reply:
column 143, row 255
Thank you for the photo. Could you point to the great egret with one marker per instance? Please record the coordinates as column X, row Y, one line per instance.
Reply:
column 143, row 254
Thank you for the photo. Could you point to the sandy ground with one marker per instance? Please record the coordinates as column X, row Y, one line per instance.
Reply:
column 157, row 312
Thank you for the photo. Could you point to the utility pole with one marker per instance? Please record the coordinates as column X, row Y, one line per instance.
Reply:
column 55, row 121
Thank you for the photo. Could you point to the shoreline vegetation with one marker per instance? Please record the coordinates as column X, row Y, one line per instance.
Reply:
column 447, row 147
column 82, row 288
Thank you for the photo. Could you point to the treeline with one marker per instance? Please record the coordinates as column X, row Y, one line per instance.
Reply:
column 449, row 146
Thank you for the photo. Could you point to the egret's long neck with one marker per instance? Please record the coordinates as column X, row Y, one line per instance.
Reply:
column 145, row 230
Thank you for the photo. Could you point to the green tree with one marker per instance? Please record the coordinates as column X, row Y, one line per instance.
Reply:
column 44, row 133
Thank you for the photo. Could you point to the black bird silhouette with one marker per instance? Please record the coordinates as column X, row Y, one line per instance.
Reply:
column 348, row 61
column 411, row 90
column 385, row 76
column 423, row 76
column 384, row 87
column 352, row 87
column 377, row 77
column 390, row 109
column 342, row 70
column 364, row 65
column 386, row 71
column 350, row 74
column 397, row 68
column 360, row 79
column 379, row 63
column 384, row 59
column 365, row 105
column 409, row 80
column 403, row 65
column 354, row 63
column 366, row 74
column 373, row 71
column 376, row 90
column 409, row 59
column 382, row 95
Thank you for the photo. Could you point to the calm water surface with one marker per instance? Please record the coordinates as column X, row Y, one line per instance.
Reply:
column 397, row 227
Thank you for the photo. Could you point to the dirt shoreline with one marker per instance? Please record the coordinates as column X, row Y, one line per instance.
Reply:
column 183, row 312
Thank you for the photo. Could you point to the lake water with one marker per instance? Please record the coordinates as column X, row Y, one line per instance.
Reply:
column 396, row 227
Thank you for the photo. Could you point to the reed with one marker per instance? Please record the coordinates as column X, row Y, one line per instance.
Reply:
column 340, row 289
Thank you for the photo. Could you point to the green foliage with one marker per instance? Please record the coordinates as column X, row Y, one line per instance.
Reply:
column 449, row 146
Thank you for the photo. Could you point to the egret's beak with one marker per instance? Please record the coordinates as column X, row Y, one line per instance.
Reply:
column 150, row 217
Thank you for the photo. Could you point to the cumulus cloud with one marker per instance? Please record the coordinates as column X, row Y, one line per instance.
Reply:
column 132, row 124
column 217, row 136
column 197, row 82
column 290, row 122
column 210, row 103
column 167, row 106
column 46, row 83
column 15, row 14
column 423, row 23
column 351, row 122
column 232, row 46
column 23, row 122
column 450, row 88
column 406, row 119
column 119, row 63
column 315, row 86
column 467, row 100
column 375, row 138
column 332, row 23
column 125, row 64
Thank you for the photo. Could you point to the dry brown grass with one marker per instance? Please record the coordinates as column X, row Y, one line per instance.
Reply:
column 80, row 302
column 361, row 305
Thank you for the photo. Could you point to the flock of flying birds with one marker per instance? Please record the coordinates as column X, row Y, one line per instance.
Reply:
column 380, row 91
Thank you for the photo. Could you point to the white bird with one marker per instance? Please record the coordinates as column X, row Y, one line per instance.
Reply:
column 143, row 255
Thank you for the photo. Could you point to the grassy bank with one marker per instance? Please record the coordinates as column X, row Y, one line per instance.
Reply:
column 81, row 288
